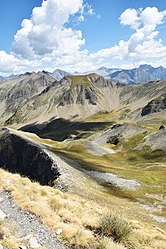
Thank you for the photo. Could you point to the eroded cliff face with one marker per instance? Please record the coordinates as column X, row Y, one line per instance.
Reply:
column 18, row 155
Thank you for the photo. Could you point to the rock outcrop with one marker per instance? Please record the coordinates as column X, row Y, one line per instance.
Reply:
column 19, row 155
column 156, row 105
column 155, row 141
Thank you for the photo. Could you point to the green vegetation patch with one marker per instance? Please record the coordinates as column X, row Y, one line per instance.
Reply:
column 79, row 80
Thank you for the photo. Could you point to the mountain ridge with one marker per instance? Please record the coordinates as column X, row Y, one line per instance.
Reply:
column 143, row 73
column 38, row 97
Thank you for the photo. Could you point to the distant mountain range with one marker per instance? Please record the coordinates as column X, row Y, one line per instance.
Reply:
column 143, row 73
column 12, row 76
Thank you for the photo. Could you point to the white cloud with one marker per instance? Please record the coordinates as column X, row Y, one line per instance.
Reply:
column 9, row 63
column 45, row 32
column 143, row 44
column 130, row 17
column 117, row 52
column 46, row 42
column 90, row 10
column 148, row 16
column 152, row 16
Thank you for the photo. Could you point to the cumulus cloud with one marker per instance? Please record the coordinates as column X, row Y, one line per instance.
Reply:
column 149, row 16
column 45, row 32
column 152, row 16
column 48, row 41
column 130, row 17
column 9, row 63
column 144, row 43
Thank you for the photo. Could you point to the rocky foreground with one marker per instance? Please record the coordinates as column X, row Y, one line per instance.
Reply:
column 27, row 227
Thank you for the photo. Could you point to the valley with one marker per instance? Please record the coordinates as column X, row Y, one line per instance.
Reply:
column 99, row 141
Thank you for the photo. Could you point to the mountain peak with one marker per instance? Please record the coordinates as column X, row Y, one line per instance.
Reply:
column 145, row 66
column 58, row 74
column 102, row 68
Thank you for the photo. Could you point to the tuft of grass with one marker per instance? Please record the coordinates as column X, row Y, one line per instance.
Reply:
column 8, row 239
column 112, row 225
column 55, row 203
column 1, row 232
column 108, row 243
column 83, row 238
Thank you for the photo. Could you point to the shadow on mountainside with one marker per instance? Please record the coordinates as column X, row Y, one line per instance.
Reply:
column 61, row 129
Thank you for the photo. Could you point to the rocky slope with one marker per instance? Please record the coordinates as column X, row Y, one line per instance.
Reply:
column 15, row 92
column 156, row 105
column 37, row 97
column 19, row 155
column 29, row 231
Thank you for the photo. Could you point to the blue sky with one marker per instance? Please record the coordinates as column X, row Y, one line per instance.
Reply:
column 81, row 35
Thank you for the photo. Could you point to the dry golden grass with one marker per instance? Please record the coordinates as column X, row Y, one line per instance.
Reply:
column 107, row 243
column 57, row 209
column 7, row 238
column 77, row 217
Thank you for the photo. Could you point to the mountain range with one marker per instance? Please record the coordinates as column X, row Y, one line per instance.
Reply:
column 38, row 97
column 143, row 73
column 88, row 136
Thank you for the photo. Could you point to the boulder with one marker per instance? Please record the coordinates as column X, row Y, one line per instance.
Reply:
column 162, row 127
column 33, row 243
column 113, row 140
column 2, row 215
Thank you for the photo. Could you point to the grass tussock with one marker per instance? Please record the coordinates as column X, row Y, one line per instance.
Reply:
column 7, row 237
column 80, row 220
column 112, row 225
column 107, row 243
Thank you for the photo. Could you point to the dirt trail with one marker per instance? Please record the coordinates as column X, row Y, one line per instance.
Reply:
column 29, row 230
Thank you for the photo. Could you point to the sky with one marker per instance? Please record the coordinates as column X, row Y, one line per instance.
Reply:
column 81, row 35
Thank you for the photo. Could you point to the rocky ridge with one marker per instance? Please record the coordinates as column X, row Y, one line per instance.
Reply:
column 38, row 97
column 19, row 155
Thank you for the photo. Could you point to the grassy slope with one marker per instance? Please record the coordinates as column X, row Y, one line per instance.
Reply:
column 79, row 80
column 146, row 167
column 149, row 169
column 77, row 217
